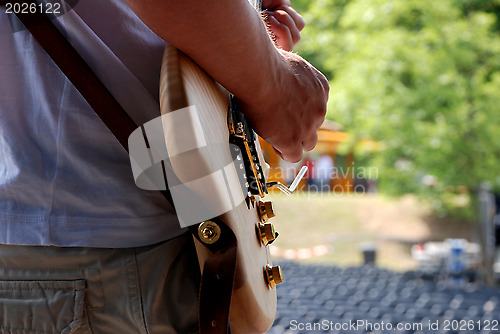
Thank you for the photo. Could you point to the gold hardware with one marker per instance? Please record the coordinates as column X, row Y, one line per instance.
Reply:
column 267, row 234
column 209, row 232
column 274, row 275
column 266, row 211
column 252, row 198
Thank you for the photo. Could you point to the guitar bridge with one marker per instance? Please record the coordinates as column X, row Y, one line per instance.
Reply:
column 242, row 135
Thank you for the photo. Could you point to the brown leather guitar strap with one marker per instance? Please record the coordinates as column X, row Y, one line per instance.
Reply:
column 78, row 72
column 219, row 269
column 217, row 281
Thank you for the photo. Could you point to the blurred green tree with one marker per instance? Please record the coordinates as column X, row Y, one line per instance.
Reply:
column 422, row 77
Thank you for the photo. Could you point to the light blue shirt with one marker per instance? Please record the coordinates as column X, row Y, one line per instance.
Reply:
column 64, row 179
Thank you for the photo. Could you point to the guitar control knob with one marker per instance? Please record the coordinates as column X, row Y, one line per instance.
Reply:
column 209, row 232
column 266, row 211
column 267, row 234
column 274, row 275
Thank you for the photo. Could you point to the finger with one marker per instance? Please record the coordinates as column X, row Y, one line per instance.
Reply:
column 297, row 18
column 309, row 143
column 292, row 154
column 272, row 4
column 284, row 18
column 278, row 153
column 281, row 33
column 319, row 124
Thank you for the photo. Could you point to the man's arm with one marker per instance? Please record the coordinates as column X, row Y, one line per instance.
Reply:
column 283, row 96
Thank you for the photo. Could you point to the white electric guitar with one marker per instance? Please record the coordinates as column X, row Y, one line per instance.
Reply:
column 253, row 302
column 209, row 118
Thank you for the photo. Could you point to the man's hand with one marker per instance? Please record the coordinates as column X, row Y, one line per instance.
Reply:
column 290, row 113
column 284, row 23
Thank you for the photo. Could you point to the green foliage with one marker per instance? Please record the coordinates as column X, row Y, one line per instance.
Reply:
column 422, row 77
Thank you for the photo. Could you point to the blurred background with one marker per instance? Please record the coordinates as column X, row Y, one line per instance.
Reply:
column 404, row 184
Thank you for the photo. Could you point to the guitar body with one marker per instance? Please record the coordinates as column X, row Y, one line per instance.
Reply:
column 184, row 84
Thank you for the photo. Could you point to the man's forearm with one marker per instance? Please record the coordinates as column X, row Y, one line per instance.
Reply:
column 283, row 96
column 225, row 37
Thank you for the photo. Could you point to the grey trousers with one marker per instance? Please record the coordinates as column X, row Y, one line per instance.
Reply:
column 152, row 289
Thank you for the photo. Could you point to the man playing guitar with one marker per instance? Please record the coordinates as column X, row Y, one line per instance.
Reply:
column 82, row 250
column 283, row 96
